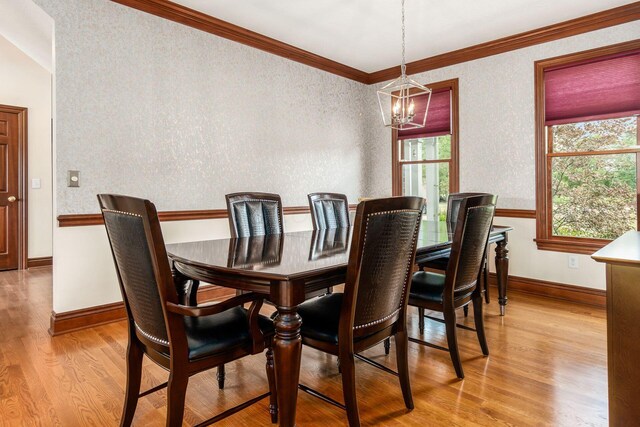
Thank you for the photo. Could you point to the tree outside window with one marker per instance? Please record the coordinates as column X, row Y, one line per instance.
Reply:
column 593, row 192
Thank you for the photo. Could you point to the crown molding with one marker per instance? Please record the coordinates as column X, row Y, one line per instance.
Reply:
column 595, row 21
column 192, row 18
column 198, row 20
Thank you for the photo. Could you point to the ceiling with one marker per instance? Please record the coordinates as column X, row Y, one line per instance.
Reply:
column 365, row 34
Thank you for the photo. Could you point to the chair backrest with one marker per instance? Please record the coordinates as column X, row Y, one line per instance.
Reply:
column 453, row 208
column 473, row 225
column 141, row 264
column 381, row 259
column 254, row 214
column 329, row 210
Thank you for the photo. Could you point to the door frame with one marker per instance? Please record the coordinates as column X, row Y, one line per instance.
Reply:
column 22, row 182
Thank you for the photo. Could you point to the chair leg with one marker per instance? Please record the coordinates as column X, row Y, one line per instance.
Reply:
column 465, row 310
column 220, row 376
column 479, row 322
column 271, row 377
column 421, row 319
column 134, row 376
column 387, row 346
column 175, row 395
column 452, row 341
column 348, row 367
column 402, row 358
column 485, row 274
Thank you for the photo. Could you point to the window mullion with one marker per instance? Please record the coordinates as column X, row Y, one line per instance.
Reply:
column 595, row 152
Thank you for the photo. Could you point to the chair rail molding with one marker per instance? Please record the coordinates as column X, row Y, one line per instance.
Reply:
column 516, row 213
column 77, row 220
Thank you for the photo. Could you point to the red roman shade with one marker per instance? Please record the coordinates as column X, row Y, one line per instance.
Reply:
column 438, row 116
column 604, row 88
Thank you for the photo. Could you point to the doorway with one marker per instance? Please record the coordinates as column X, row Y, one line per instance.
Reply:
column 13, row 174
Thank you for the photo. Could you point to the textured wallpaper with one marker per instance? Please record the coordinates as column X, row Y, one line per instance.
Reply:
column 152, row 108
column 497, row 129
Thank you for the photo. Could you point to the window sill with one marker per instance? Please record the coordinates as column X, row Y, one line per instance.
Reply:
column 574, row 246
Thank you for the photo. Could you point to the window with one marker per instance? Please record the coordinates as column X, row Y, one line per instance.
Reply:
column 425, row 160
column 587, row 153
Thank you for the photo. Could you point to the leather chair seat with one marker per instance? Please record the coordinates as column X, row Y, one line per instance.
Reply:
column 321, row 317
column 221, row 332
column 427, row 286
column 438, row 263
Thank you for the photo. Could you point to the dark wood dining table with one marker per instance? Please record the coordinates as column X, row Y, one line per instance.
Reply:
column 291, row 267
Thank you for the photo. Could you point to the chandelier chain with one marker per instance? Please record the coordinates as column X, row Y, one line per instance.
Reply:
column 403, row 66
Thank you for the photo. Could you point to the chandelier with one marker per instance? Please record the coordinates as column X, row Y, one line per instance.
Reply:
column 399, row 103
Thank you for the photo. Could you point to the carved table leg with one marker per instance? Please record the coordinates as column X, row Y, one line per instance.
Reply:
column 288, row 349
column 502, row 272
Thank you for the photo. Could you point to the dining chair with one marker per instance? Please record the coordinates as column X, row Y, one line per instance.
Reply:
column 374, row 303
column 453, row 206
column 182, row 339
column 329, row 210
column 459, row 285
column 254, row 214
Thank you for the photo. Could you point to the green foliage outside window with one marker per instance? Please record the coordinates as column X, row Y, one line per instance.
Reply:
column 594, row 195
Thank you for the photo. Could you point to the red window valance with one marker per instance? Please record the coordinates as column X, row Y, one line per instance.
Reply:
column 607, row 87
column 438, row 116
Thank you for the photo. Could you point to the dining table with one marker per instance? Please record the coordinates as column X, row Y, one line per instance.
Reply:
column 291, row 267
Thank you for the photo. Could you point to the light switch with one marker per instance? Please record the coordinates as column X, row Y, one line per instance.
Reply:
column 35, row 183
column 73, row 178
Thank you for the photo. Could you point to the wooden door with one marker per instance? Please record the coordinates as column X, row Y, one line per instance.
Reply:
column 12, row 136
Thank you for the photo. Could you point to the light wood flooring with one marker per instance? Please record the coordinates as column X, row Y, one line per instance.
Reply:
column 547, row 367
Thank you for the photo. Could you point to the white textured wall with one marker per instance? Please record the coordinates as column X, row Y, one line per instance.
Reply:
column 152, row 108
column 149, row 107
column 24, row 83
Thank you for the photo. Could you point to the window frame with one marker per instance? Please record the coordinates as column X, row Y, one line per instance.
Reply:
column 453, row 162
column 545, row 240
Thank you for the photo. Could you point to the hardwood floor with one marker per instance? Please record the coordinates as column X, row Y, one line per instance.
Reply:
column 547, row 367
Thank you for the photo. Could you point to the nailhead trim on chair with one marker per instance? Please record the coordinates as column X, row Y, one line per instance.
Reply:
column 122, row 212
column 151, row 337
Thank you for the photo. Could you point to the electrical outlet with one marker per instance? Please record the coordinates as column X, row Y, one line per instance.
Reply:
column 573, row 261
